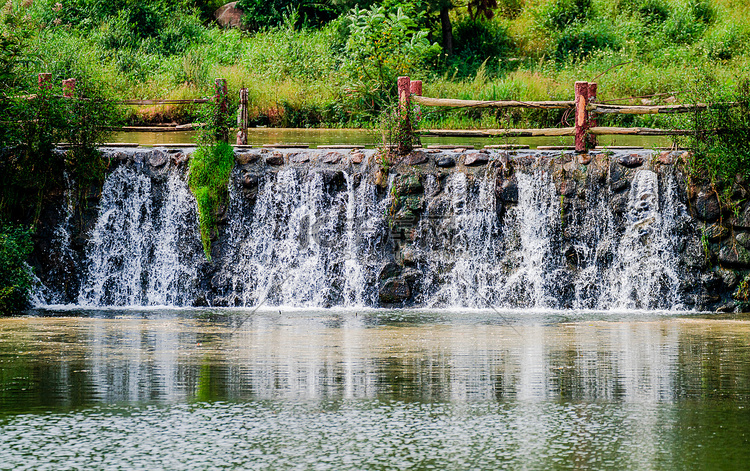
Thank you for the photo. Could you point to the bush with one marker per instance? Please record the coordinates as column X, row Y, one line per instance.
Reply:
column 722, row 133
column 725, row 43
column 579, row 43
column 265, row 14
column 560, row 14
column 683, row 27
column 477, row 40
column 384, row 44
column 15, row 274
column 653, row 11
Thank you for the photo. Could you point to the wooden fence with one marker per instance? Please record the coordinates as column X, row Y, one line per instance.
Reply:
column 44, row 81
column 584, row 104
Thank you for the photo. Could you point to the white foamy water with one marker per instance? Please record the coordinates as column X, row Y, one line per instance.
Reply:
column 140, row 251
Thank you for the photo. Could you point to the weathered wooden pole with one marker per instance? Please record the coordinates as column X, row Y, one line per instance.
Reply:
column 222, row 108
column 593, row 122
column 242, row 118
column 69, row 87
column 582, row 115
column 404, row 131
column 44, row 81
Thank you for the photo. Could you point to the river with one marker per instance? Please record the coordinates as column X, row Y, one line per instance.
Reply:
column 370, row 138
column 166, row 388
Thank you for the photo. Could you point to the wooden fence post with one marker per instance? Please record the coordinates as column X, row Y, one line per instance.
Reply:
column 222, row 108
column 416, row 87
column 69, row 87
column 582, row 115
column 44, row 81
column 242, row 118
column 593, row 122
column 404, row 132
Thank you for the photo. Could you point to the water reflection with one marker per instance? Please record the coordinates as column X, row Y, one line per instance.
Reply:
column 178, row 356
column 315, row 137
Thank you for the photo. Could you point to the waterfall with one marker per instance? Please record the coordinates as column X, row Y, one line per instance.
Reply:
column 308, row 240
column 320, row 237
column 142, row 249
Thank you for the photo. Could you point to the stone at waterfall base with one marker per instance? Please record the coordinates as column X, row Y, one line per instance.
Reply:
column 394, row 291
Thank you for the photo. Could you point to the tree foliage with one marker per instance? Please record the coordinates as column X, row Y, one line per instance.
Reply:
column 15, row 274
column 383, row 44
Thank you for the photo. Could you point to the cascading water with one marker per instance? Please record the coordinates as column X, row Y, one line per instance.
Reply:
column 308, row 240
column 142, row 250
column 312, row 236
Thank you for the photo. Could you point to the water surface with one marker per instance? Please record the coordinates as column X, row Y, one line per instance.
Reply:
column 370, row 138
column 373, row 389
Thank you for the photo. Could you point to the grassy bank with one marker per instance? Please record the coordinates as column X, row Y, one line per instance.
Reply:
column 302, row 76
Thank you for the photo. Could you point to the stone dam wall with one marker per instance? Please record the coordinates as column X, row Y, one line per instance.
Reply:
column 436, row 228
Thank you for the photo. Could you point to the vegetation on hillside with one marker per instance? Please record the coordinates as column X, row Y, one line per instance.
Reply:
column 333, row 62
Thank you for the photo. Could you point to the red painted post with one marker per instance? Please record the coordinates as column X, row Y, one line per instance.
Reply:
column 44, row 81
column 416, row 87
column 222, row 108
column 69, row 87
column 593, row 122
column 404, row 138
column 582, row 115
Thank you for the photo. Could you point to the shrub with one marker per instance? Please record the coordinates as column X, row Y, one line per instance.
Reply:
column 15, row 274
column 383, row 44
column 725, row 43
column 722, row 133
column 682, row 26
column 477, row 40
column 265, row 14
column 560, row 14
column 653, row 11
column 579, row 43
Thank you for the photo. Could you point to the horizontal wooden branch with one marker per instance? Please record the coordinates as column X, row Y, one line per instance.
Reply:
column 451, row 103
column 613, row 131
column 499, row 132
column 165, row 102
column 659, row 109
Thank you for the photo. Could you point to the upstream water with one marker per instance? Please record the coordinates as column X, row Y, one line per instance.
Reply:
column 318, row 137
column 373, row 389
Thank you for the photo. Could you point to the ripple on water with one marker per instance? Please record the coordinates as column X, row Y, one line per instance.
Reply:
column 368, row 435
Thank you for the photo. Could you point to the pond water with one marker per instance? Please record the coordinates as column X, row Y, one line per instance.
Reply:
column 373, row 389
column 316, row 137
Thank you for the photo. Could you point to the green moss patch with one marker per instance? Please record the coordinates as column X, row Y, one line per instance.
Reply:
column 210, row 169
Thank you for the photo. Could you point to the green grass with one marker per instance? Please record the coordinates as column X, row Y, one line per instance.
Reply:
column 304, row 77
column 210, row 169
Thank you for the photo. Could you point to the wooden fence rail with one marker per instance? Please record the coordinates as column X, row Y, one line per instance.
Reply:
column 586, row 112
column 44, row 81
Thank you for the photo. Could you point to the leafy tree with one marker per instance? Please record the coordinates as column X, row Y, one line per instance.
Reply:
column 260, row 14
column 15, row 274
column 382, row 45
